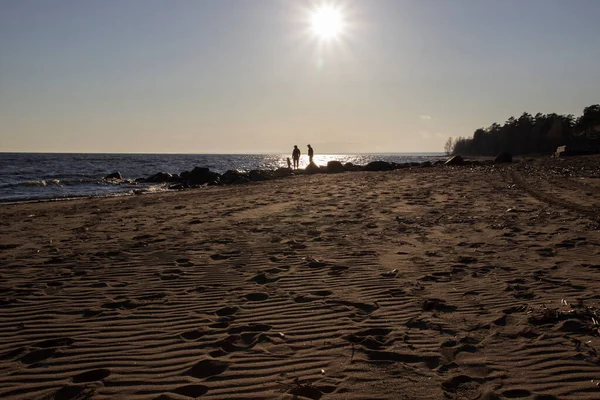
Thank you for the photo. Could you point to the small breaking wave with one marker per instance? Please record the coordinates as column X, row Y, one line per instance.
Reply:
column 49, row 182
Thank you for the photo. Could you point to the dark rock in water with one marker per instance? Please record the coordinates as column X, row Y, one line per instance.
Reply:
column 335, row 167
column 504, row 157
column 351, row 167
column 282, row 172
column 200, row 176
column 438, row 162
column 455, row 160
column 312, row 168
column 185, row 175
column 233, row 177
column 161, row 177
column 379, row 166
column 426, row 164
column 113, row 176
column 257, row 175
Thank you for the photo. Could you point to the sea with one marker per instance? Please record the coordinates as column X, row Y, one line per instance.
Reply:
column 60, row 176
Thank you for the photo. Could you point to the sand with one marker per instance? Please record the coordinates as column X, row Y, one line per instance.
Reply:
column 429, row 283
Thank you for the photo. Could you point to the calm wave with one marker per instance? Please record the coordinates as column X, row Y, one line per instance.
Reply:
column 35, row 176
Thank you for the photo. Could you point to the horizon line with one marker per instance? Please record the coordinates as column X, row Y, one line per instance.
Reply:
column 216, row 154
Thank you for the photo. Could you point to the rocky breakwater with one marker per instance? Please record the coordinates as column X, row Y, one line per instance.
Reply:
column 202, row 176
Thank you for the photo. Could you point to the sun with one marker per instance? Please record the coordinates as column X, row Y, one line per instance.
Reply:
column 327, row 22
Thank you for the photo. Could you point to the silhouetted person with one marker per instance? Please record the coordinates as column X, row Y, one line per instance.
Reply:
column 296, row 156
column 289, row 163
column 311, row 153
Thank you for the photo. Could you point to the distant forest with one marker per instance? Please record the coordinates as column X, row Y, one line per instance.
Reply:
column 528, row 134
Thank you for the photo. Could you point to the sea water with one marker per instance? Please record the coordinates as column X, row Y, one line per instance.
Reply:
column 40, row 176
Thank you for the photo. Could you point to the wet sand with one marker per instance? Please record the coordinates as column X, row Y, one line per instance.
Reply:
column 444, row 282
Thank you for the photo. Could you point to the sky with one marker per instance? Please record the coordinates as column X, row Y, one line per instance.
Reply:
column 251, row 76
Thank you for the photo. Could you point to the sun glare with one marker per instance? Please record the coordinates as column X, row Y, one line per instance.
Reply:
column 327, row 22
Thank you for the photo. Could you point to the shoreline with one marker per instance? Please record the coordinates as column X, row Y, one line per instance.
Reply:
column 171, row 182
column 88, row 175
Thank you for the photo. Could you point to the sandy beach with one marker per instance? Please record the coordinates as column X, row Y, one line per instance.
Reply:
column 475, row 282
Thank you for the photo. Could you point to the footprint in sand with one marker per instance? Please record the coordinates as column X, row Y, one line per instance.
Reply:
column 546, row 252
column 122, row 305
column 335, row 270
column 90, row 313
column 184, row 262
column 225, row 255
column 223, row 323
column 462, row 384
column 377, row 356
column 306, row 391
column 207, row 368
column 371, row 338
column 451, row 348
column 69, row 392
column 437, row 305
column 226, row 311
column 239, row 342
column 263, row 279
column 9, row 355
column 278, row 270
column 312, row 296
column 37, row 356
column 358, row 311
column 256, row 296
column 397, row 293
column 48, row 349
column 61, row 342
column 193, row 334
column 171, row 274
column 516, row 393
column 153, row 296
column 92, row 376
column 192, row 391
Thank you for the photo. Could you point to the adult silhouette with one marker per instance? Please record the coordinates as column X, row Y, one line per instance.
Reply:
column 296, row 156
column 311, row 153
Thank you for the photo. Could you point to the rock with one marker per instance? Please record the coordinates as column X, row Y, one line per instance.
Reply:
column 312, row 168
column 426, row 164
column 282, row 172
column 258, row 175
column 455, row 160
column 234, row 177
column 504, row 157
column 351, row 167
column 161, row 177
column 335, row 167
column 200, row 176
column 113, row 176
column 379, row 166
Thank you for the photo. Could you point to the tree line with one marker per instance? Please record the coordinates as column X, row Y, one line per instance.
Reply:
column 528, row 134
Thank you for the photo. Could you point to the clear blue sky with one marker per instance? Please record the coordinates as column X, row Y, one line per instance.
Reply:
column 219, row 76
